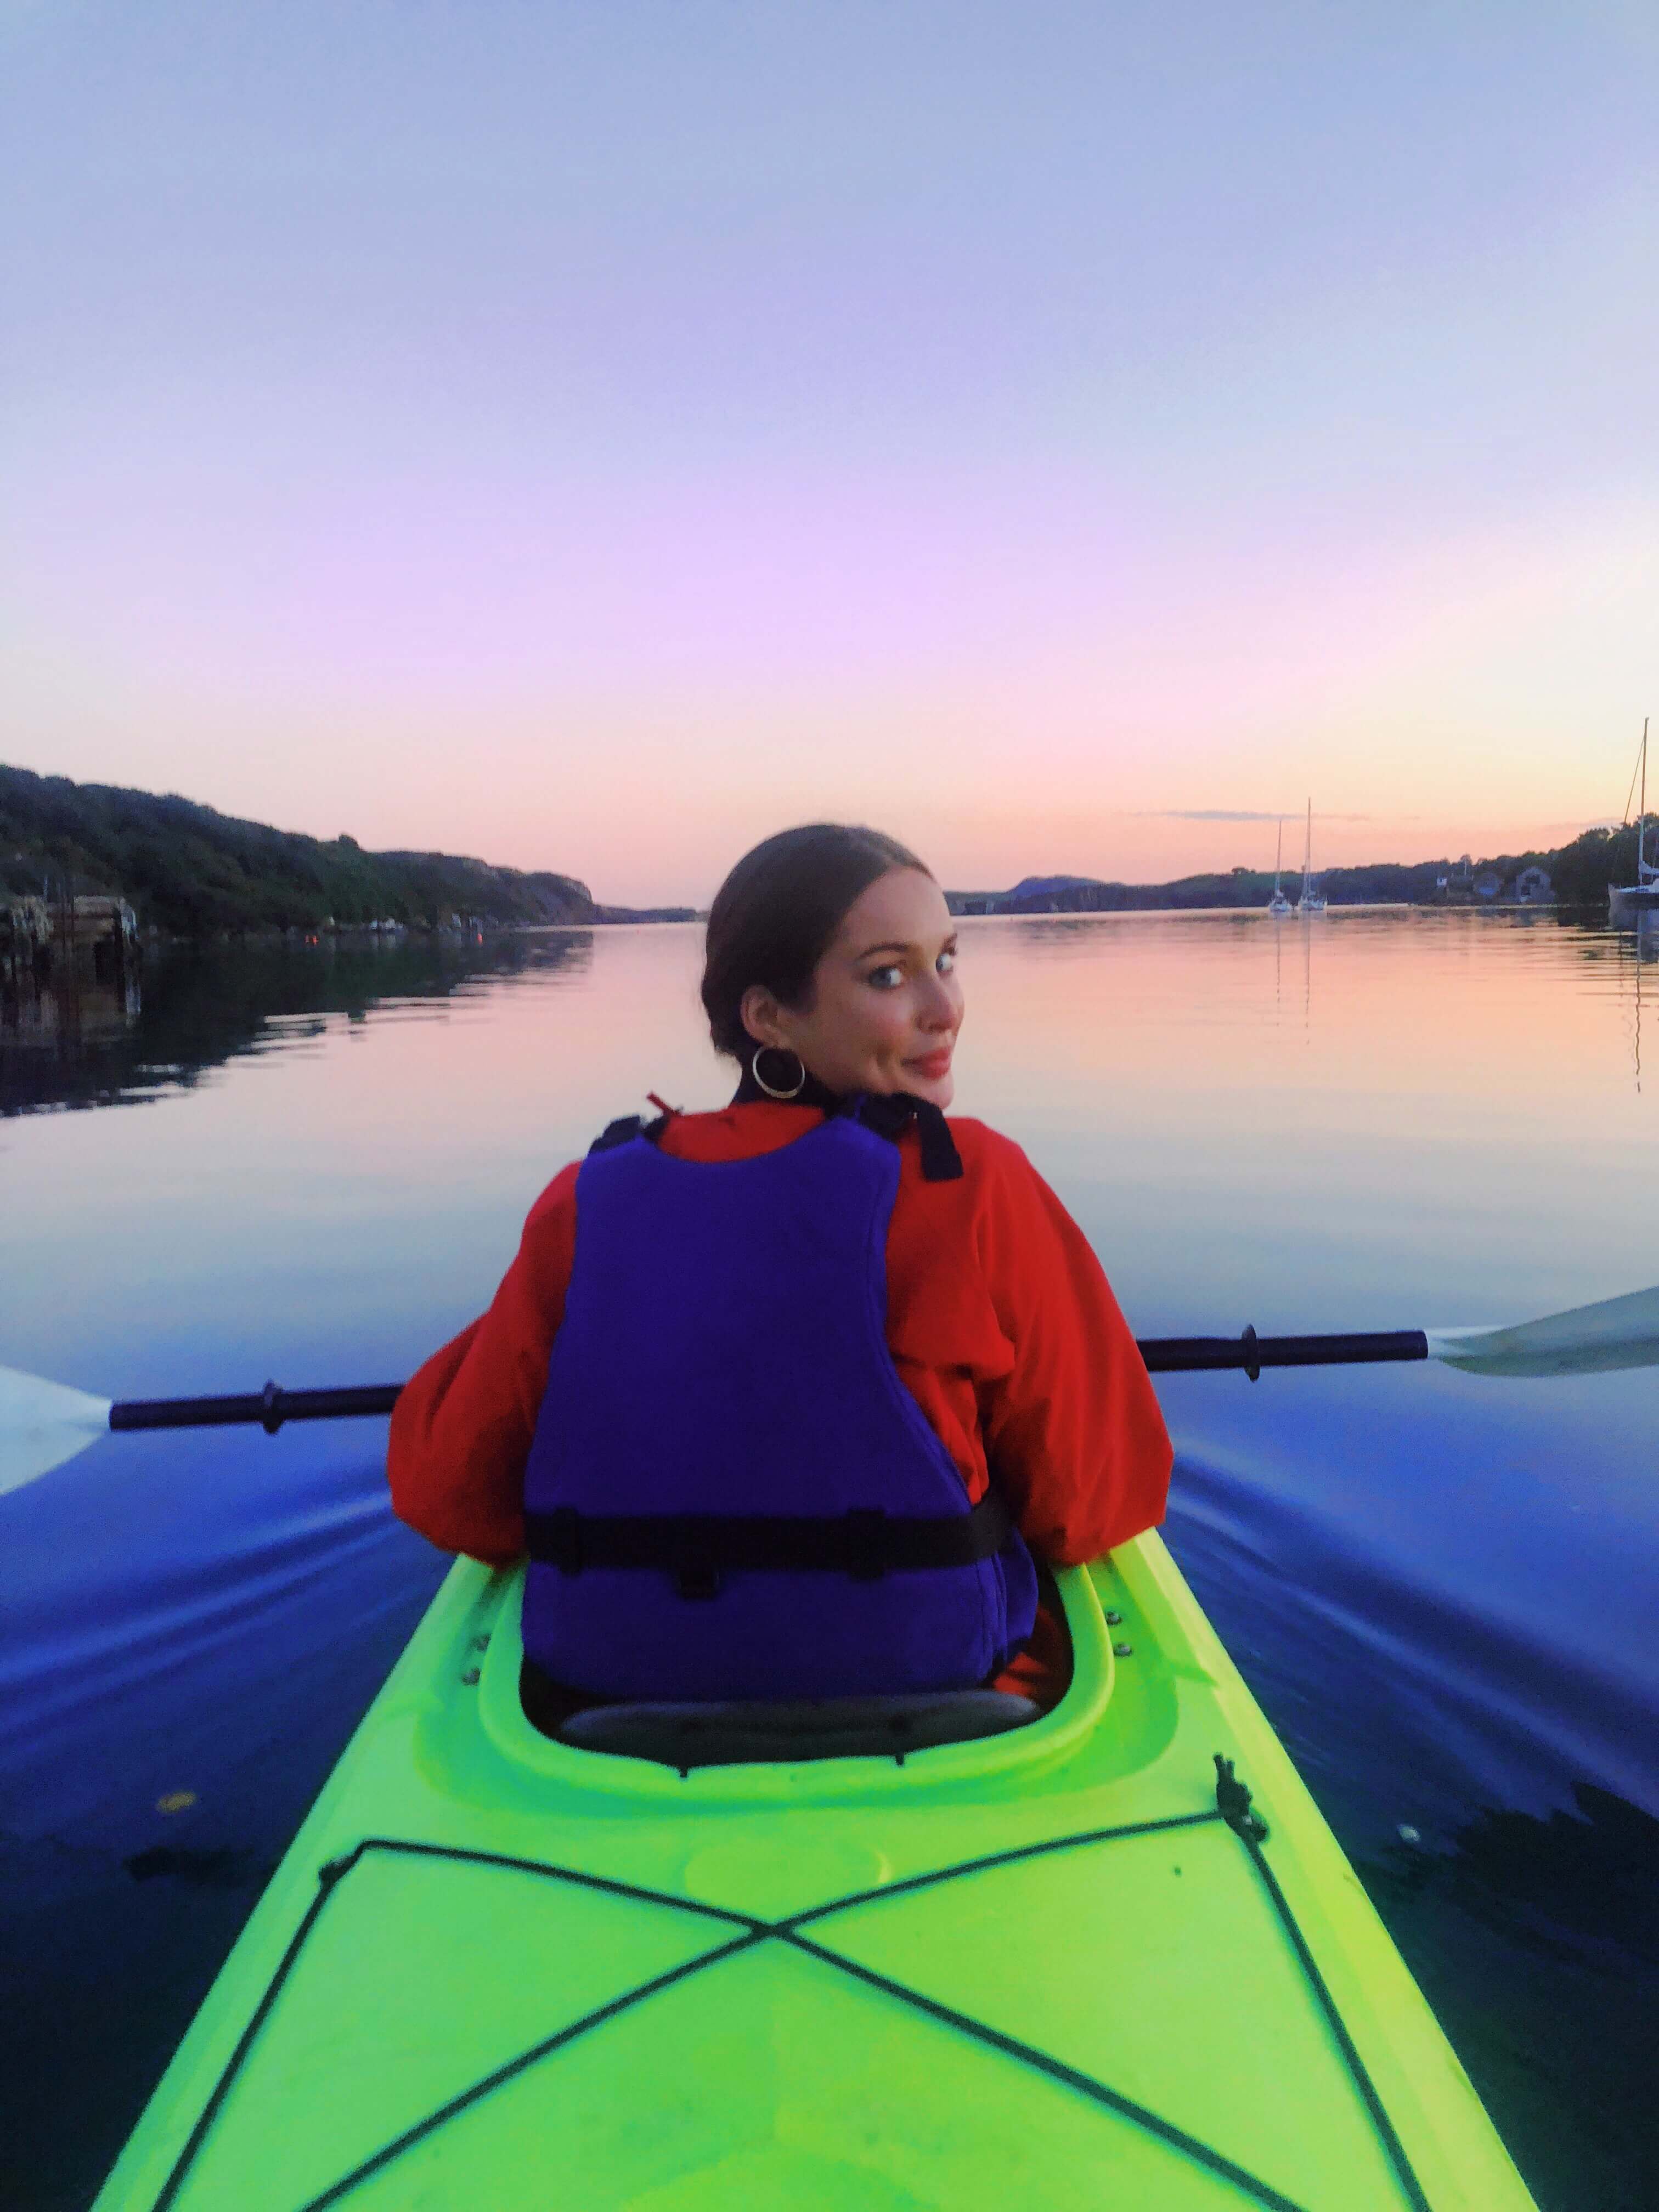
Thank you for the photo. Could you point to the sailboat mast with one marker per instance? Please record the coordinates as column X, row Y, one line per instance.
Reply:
column 1642, row 811
column 1640, row 900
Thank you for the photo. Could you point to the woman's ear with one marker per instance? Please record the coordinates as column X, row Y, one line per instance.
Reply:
column 761, row 1015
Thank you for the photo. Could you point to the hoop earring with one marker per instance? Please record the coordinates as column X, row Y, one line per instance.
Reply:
column 800, row 1083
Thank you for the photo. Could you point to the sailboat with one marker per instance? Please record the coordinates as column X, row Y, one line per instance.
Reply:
column 1312, row 900
column 1629, row 902
column 1278, row 904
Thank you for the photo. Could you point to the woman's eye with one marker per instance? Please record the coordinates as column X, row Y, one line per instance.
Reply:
column 888, row 978
column 946, row 961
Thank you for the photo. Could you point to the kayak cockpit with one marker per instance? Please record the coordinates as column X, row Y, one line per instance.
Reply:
column 750, row 1732
column 755, row 1745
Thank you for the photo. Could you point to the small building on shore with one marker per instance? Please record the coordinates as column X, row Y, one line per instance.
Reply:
column 96, row 936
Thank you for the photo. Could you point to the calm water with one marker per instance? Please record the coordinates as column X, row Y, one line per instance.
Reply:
column 1442, row 1588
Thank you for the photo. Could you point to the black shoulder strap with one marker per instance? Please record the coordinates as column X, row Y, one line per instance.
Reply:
column 625, row 1131
column 617, row 1133
column 889, row 1113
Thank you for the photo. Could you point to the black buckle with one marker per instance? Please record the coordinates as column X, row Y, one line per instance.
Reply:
column 698, row 1575
column 563, row 1539
column 866, row 1543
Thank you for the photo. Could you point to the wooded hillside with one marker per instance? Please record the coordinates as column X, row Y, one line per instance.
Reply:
column 195, row 872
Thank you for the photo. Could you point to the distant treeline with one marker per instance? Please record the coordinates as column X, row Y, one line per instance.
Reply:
column 193, row 872
column 1584, row 872
column 1580, row 874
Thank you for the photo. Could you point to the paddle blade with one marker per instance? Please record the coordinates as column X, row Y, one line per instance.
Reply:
column 43, row 1424
column 1586, row 1340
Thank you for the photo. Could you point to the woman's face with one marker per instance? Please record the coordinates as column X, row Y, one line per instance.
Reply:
column 885, row 1004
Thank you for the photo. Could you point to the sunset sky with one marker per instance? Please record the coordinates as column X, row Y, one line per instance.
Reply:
column 590, row 436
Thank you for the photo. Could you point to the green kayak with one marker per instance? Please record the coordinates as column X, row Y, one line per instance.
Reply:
column 1067, row 1965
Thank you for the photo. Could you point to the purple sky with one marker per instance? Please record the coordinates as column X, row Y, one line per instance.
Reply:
column 593, row 436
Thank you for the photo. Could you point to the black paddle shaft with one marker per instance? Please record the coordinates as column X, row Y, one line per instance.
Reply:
column 1190, row 1355
column 1164, row 1355
column 271, row 1408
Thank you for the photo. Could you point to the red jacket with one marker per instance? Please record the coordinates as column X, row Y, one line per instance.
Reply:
column 998, row 1318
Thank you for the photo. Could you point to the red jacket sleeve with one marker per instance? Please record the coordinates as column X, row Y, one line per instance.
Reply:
column 462, row 1426
column 1073, row 1429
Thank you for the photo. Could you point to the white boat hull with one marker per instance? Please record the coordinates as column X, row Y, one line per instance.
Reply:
column 1629, row 902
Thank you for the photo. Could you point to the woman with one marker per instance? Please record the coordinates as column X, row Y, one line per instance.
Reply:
column 782, row 1399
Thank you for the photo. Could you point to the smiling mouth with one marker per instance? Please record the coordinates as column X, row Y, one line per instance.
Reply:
column 931, row 1063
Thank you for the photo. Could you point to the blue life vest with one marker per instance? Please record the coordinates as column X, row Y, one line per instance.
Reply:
column 730, row 1493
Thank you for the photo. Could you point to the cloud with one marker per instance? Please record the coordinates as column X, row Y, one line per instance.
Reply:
column 1231, row 814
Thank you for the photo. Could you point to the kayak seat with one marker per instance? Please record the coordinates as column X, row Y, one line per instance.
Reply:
column 748, row 1732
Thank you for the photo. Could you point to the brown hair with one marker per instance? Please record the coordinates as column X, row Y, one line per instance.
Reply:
column 774, row 917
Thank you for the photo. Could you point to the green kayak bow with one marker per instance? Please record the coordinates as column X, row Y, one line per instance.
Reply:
column 1113, row 1957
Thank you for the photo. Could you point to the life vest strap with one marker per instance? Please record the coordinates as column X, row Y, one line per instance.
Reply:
column 698, row 1548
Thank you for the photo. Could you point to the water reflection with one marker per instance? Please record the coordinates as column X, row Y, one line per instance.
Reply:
column 69, row 1043
column 1460, row 981
column 45, row 1018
